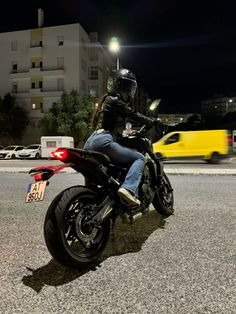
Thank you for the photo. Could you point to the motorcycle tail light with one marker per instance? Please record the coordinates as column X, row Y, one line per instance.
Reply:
column 38, row 177
column 60, row 154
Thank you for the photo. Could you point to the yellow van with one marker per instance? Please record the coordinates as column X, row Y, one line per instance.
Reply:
column 210, row 145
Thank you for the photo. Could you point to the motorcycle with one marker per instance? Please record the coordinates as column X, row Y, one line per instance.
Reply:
column 78, row 221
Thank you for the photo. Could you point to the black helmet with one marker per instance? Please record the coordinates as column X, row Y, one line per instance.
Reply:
column 122, row 82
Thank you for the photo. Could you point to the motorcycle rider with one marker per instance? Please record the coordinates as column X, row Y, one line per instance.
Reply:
column 112, row 113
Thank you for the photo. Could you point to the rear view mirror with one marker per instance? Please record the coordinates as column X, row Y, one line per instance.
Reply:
column 154, row 104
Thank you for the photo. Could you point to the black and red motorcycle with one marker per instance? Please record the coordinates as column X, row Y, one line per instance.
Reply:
column 78, row 221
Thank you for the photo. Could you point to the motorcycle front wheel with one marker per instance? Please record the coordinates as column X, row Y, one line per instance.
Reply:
column 69, row 238
column 164, row 199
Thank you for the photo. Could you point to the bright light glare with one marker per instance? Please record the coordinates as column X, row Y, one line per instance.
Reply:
column 114, row 45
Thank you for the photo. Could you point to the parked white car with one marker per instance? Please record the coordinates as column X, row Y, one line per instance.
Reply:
column 32, row 151
column 11, row 152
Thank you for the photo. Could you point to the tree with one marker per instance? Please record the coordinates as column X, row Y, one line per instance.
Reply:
column 13, row 119
column 71, row 116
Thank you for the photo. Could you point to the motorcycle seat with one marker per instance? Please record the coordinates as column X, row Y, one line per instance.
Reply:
column 100, row 157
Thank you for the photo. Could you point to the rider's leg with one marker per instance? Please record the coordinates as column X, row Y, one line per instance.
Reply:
column 121, row 155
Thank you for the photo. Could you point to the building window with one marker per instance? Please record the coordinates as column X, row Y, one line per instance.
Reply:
column 51, row 144
column 36, row 43
column 94, row 73
column 40, row 84
column 41, row 107
column 60, row 63
column 37, row 64
column 14, row 67
column 14, row 45
column 33, row 106
column 14, row 88
column 60, row 40
column 172, row 139
column 32, row 84
column 83, row 65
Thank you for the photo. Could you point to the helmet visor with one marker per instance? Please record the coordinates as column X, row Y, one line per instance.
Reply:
column 128, row 86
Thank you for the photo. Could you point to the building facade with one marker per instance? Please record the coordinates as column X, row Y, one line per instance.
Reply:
column 174, row 118
column 38, row 65
column 218, row 105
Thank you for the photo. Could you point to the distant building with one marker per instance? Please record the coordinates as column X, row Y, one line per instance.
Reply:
column 174, row 118
column 38, row 65
column 219, row 105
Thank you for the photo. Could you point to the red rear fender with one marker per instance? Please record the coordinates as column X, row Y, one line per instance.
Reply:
column 45, row 172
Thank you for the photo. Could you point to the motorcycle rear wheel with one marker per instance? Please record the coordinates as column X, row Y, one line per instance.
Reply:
column 64, row 232
column 164, row 199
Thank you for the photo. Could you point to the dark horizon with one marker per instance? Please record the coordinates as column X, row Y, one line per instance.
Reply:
column 181, row 53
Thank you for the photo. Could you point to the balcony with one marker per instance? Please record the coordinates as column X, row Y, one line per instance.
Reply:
column 53, row 71
column 35, row 71
column 35, row 91
column 45, row 71
column 36, row 113
column 18, row 74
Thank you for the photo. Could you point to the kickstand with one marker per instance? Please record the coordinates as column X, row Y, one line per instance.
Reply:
column 113, row 222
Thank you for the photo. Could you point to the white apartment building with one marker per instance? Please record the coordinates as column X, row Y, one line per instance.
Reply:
column 37, row 65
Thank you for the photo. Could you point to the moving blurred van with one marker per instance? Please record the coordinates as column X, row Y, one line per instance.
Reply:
column 210, row 145
column 234, row 141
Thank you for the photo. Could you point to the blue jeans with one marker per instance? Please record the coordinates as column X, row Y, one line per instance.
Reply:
column 104, row 143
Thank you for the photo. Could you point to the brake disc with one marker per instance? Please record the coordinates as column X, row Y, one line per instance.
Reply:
column 82, row 235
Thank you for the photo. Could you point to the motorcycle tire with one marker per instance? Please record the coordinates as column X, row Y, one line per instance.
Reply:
column 164, row 199
column 57, row 229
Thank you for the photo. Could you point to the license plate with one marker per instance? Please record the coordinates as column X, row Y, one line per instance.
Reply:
column 36, row 191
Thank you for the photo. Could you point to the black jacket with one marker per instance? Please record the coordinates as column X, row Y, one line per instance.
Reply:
column 115, row 113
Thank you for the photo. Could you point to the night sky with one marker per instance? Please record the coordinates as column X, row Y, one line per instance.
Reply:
column 181, row 51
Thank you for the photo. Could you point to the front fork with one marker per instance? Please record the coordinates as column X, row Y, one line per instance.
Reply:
column 158, row 168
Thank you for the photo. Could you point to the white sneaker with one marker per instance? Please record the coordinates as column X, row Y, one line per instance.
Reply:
column 128, row 197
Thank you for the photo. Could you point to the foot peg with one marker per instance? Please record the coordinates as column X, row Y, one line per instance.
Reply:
column 126, row 219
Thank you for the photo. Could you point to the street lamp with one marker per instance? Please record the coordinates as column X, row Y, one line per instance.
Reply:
column 114, row 47
column 227, row 105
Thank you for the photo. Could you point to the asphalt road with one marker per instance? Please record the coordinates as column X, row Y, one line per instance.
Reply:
column 227, row 166
column 184, row 264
